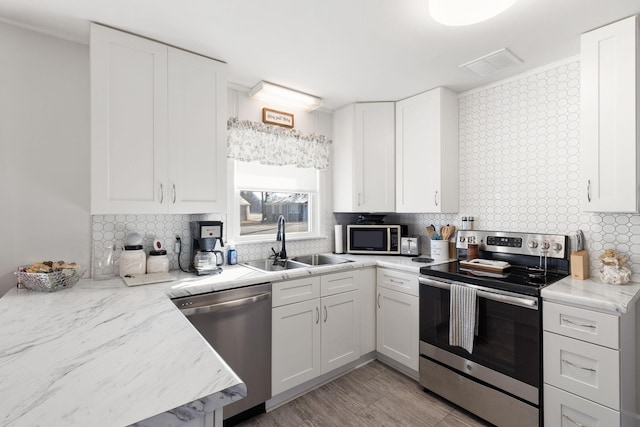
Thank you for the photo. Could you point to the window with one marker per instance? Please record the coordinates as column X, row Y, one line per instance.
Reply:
column 264, row 192
column 260, row 210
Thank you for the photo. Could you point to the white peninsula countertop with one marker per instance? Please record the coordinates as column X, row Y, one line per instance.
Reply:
column 104, row 354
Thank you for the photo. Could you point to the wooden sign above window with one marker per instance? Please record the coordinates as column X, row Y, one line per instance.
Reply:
column 279, row 118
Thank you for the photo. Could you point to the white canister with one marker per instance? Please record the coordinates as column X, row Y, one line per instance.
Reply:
column 133, row 261
column 158, row 262
column 439, row 249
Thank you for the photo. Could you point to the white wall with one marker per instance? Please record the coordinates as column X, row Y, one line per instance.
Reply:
column 44, row 151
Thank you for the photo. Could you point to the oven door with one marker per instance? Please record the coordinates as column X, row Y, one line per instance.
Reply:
column 506, row 350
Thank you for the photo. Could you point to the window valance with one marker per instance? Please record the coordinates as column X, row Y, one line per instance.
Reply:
column 274, row 145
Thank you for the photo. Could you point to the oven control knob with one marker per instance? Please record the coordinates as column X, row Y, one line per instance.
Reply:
column 544, row 246
column 533, row 244
column 557, row 247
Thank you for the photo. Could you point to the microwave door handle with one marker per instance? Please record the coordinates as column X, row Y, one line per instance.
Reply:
column 493, row 295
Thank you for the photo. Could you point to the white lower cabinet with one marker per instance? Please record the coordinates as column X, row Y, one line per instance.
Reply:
column 397, row 317
column 340, row 331
column 316, row 335
column 295, row 344
column 589, row 367
column 566, row 409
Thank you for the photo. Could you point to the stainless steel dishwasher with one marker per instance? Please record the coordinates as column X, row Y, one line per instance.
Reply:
column 237, row 324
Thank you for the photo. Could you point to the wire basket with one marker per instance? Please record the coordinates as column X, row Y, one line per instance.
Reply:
column 49, row 282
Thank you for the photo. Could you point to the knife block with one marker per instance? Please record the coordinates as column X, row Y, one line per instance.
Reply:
column 580, row 265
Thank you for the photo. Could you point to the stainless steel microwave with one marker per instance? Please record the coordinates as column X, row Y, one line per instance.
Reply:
column 375, row 239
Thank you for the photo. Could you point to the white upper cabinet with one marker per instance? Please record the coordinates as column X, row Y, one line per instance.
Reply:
column 197, row 133
column 158, row 127
column 609, row 91
column 363, row 158
column 128, row 122
column 427, row 152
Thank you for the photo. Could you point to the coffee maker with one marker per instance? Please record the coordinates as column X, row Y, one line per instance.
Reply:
column 204, row 236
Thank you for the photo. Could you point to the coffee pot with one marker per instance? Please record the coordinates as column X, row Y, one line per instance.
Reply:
column 204, row 237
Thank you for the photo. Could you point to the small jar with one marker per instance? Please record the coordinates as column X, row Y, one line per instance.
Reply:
column 471, row 223
column 133, row 261
column 232, row 255
column 158, row 262
column 465, row 223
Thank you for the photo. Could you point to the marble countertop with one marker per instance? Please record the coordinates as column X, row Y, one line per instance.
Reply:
column 104, row 354
column 593, row 294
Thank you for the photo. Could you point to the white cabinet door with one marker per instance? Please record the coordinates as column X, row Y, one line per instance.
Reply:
column 128, row 123
column 340, row 330
column 397, row 327
column 197, row 133
column 295, row 344
column 363, row 158
column 609, row 78
column 427, row 152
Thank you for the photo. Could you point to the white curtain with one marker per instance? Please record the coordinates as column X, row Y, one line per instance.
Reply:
column 274, row 145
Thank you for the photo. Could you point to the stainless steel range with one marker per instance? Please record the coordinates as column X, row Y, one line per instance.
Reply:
column 495, row 369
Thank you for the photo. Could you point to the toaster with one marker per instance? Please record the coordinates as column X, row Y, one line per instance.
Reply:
column 410, row 245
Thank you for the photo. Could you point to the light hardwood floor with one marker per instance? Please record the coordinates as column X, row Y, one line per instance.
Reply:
column 373, row 395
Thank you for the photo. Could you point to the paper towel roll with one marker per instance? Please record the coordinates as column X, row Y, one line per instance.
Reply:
column 339, row 246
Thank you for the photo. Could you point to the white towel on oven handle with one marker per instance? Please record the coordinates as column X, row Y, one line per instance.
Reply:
column 463, row 316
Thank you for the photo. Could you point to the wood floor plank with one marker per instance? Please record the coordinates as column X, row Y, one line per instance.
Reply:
column 373, row 395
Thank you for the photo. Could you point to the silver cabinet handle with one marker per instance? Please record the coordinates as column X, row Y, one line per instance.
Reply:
column 584, row 368
column 572, row 421
column 174, row 194
column 396, row 281
column 435, row 198
column 317, row 315
column 161, row 193
column 325, row 314
column 379, row 300
column 359, row 199
column 578, row 324
column 589, row 191
column 212, row 308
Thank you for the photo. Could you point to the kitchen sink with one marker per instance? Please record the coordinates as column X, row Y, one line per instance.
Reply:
column 304, row 261
column 317, row 259
column 271, row 265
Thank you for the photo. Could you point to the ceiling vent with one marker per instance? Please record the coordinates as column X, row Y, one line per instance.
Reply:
column 493, row 62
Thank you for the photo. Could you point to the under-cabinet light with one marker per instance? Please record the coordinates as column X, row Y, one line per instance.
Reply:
column 281, row 95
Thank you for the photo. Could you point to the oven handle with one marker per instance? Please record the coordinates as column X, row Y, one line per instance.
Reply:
column 493, row 294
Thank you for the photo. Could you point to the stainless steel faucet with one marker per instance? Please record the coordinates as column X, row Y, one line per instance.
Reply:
column 280, row 237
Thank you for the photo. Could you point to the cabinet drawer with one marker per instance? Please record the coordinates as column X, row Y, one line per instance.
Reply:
column 339, row 282
column 295, row 291
column 588, row 370
column 398, row 281
column 566, row 409
column 586, row 325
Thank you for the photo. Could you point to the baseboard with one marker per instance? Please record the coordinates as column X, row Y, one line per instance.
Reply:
column 415, row 375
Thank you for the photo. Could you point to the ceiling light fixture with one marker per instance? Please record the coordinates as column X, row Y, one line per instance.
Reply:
column 281, row 95
column 466, row 12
